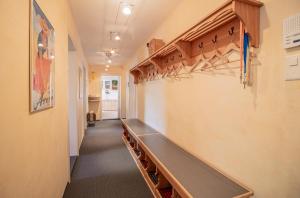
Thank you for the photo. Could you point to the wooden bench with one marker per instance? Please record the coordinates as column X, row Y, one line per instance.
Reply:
column 170, row 171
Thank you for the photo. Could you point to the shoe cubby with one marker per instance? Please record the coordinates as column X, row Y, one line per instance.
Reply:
column 162, row 181
column 175, row 194
column 137, row 150
column 166, row 192
column 153, row 177
column 143, row 160
column 163, row 188
column 126, row 134
column 152, row 172
column 132, row 141
column 144, row 163
column 142, row 153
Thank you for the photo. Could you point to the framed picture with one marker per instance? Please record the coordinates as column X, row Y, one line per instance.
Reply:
column 42, row 60
column 107, row 84
column 114, row 84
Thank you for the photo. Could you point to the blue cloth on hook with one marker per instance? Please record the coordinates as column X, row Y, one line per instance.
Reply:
column 246, row 48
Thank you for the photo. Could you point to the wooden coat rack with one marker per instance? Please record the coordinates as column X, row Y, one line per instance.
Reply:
column 211, row 39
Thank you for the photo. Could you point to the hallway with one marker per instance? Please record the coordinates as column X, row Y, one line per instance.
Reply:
column 105, row 167
column 150, row 98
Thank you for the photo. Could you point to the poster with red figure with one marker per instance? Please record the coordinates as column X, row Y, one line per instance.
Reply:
column 42, row 60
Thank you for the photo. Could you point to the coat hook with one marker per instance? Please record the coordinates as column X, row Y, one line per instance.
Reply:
column 200, row 45
column 231, row 31
column 215, row 39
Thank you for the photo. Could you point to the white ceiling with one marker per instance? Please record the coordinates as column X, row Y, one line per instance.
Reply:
column 95, row 19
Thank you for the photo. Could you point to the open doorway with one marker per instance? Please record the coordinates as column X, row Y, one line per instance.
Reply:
column 110, row 91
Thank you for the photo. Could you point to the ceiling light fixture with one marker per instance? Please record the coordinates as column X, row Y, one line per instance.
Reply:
column 112, row 51
column 127, row 9
column 109, row 61
column 107, row 66
column 106, row 69
column 117, row 38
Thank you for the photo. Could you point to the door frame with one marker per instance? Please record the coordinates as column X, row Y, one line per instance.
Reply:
column 119, row 93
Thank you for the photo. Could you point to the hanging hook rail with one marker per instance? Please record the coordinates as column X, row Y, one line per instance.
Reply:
column 195, row 44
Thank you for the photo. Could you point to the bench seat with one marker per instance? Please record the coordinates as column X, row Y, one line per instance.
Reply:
column 188, row 175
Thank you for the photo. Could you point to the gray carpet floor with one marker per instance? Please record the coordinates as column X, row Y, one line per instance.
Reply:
column 105, row 167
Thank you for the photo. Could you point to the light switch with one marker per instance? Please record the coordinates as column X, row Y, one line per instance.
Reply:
column 292, row 61
column 292, row 71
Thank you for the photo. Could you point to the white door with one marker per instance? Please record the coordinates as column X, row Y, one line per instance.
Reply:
column 110, row 95
column 72, row 105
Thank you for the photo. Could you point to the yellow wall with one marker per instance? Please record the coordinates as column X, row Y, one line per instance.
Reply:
column 252, row 134
column 34, row 156
column 95, row 73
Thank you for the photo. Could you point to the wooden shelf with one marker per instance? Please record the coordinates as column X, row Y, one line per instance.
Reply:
column 94, row 100
column 235, row 16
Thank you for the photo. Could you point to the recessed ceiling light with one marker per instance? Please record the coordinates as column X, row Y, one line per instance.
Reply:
column 117, row 38
column 127, row 10
column 109, row 61
column 106, row 69
column 107, row 66
column 112, row 51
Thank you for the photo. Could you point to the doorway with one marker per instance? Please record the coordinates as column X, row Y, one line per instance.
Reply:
column 72, row 104
column 110, row 105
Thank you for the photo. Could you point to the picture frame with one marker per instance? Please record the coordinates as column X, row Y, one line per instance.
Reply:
column 107, row 84
column 114, row 84
column 42, row 60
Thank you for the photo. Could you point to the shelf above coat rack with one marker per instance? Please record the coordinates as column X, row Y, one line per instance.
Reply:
column 224, row 25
